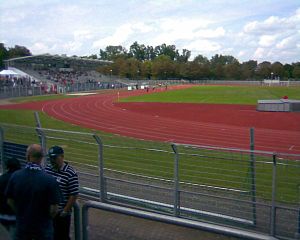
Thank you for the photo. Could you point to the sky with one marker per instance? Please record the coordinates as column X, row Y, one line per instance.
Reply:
column 262, row 30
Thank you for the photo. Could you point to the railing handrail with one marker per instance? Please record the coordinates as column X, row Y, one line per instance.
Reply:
column 166, row 219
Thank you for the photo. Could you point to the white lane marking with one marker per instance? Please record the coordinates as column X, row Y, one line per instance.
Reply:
column 291, row 147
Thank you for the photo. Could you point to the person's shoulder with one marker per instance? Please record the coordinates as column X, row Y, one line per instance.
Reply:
column 17, row 173
column 70, row 170
column 48, row 168
column 44, row 176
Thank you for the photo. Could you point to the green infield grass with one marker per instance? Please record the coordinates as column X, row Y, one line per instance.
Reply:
column 218, row 94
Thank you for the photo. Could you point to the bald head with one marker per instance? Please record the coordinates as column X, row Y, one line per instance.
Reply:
column 34, row 153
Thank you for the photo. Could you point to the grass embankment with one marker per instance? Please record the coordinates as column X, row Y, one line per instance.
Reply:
column 216, row 168
column 218, row 94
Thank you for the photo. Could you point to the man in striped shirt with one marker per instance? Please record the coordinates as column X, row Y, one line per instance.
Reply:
column 68, row 182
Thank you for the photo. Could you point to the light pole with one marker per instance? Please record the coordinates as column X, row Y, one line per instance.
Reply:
column 110, row 73
column 272, row 75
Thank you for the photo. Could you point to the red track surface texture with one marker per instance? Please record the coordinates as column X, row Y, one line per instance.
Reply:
column 200, row 124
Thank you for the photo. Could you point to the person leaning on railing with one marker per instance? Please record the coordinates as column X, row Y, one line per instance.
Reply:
column 68, row 182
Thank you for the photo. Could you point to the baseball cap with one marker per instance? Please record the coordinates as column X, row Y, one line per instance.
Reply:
column 55, row 151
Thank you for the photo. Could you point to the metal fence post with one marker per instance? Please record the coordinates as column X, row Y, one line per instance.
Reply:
column 37, row 119
column 85, row 222
column 40, row 132
column 253, row 175
column 176, row 182
column 297, row 235
column 77, row 226
column 102, row 180
column 1, row 149
column 273, row 206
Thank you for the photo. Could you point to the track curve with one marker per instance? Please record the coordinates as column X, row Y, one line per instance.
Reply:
column 101, row 112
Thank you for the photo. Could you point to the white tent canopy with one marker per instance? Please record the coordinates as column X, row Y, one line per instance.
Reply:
column 8, row 72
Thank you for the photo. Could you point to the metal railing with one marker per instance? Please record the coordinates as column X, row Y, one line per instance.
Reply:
column 245, row 189
column 24, row 91
column 164, row 219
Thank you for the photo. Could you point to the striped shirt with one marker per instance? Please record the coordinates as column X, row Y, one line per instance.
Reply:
column 67, row 180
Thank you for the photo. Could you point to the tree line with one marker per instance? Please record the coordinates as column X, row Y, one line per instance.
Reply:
column 167, row 62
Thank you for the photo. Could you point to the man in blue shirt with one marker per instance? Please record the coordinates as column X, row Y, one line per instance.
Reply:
column 34, row 195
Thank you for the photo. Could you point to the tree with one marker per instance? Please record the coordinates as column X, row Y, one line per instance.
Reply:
column 93, row 56
column 200, row 59
column 150, row 53
column 112, row 52
column 288, row 71
column 296, row 71
column 146, row 69
column 162, row 67
column 132, row 68
column 248, row 69
column 119, row 67
column 223, row 60
column 184, row 57
column 138, row 51
column 167, row 50
column 18, row 51
column 232, row 71
column 277, row 69
column 3, row 55
column 264, row 70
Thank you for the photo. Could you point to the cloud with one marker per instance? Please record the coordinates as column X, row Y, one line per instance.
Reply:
column 273, row 38
column 210, row 33
column 204, row 46
column 120, row 35
column 262, row 30
column 285, row 43
column 41, row 48
column 266, row 40
column 259, row 53
column 143, row 27
column 241, row 53
column 271, row 25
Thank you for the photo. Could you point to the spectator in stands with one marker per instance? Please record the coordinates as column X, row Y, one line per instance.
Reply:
column 68, row 182
column 7, row 215
column 34, row 195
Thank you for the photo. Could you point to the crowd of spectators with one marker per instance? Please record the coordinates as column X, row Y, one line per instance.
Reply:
column 25, row 81
column 67, row 77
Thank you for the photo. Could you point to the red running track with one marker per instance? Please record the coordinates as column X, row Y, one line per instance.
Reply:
column 199, row 124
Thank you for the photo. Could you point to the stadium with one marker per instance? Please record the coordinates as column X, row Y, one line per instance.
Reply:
column 203, row 154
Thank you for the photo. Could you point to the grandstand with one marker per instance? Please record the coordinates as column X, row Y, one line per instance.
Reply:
column 59, row 69
column 54, row 74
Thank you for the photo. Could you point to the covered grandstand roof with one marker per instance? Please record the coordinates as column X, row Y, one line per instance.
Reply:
column 58, row 57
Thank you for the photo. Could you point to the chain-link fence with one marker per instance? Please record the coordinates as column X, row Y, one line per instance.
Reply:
column 253, row 190
column 24, row 91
